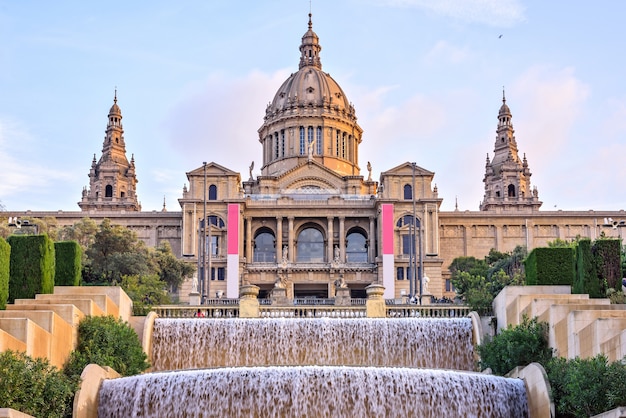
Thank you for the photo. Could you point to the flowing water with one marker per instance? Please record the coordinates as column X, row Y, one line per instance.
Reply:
column 181, row 344
column 290, row 367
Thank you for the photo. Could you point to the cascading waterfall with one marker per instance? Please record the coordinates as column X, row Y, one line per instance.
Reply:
column 313, row 367
column 182, row 344
column 313, row 391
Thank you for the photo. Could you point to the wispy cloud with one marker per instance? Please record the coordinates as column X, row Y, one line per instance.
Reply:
column 19, row 174
column 446, row 53
column 500, row 13
column 219, row 117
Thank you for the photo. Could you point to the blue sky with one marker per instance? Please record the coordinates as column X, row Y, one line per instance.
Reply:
column 426, row 78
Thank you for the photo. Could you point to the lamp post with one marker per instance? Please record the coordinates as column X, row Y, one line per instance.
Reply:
column 205, row 283
column 412, row 241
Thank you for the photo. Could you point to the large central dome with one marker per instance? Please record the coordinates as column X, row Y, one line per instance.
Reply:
column 310, row 114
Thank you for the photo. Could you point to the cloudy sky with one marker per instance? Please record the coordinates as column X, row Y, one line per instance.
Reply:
column 426, row 78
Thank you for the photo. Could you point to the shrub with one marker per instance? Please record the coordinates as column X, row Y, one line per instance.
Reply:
column 34, row 387
column 550, row 266
column 107, row 341
column 31, row 266
column 516, row 346
column 5, row 257
column 586, row 387
column 68, row 258
column 586, row 273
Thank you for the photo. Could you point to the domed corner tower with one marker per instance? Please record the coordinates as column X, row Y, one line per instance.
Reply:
column 310, row 118
column 112, row 179
column 507, row 177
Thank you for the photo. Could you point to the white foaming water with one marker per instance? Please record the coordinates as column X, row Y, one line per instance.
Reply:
column 439, row 343
column 313, row 391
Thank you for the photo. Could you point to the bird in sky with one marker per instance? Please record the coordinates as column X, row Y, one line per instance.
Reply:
column 499, row 36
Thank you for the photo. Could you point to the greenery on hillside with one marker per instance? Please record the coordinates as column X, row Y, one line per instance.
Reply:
column 33, row 386
column 580, row 387
column 107, row 341
column 477, row 282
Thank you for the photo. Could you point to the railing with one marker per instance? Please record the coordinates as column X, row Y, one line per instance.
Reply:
column 314, row 301
column 204, row 311
column 312, row 312
column 427, row 311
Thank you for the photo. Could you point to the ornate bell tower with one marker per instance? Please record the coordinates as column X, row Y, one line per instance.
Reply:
column 507, row 178
column 112, row 179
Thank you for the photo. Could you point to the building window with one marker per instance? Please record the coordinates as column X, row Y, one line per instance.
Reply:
column 337, row 145
column 318, row 138
column 108, row 191
column 310, row 246
column 282, row 143
column 400, row 273
column 264, row 248
column 302, row 143
column 408, row 192
column 511, row 190
column 213, row 192
column 309, row 136
column 356, row 248
column 276, row 146
column 407, row 248
column 343, row 145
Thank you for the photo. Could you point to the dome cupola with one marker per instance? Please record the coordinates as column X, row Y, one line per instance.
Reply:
column 310, row 113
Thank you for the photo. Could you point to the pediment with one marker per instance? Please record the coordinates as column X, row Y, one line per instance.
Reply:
column 212, row 169
column 309, row 177
column 406, row 169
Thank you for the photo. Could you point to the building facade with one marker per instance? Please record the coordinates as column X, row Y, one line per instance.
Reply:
column 311, row 220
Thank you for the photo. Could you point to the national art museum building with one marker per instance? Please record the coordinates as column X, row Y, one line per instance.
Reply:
column 314, row 219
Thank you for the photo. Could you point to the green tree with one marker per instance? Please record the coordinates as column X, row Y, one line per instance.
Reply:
column 586, row 387
column 115, row 252
column 516, row 346
column 83, row 232
column 172, row 271
column 34, row 387
column 145, row 291
column 106, row 341
column 471, row 265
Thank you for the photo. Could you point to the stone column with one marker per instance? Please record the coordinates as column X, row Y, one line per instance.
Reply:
column 248, row 302
column 291, row 239
column 331, row 240
column 342, row 239
column 375, row 304
column 371, row 255
column 248, row 243
column 279, row 239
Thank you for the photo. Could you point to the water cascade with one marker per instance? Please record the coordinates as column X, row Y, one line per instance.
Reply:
column 320, row 367
column 181, row 344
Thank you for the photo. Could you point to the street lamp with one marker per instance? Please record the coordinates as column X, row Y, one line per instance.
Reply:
column 205, row 283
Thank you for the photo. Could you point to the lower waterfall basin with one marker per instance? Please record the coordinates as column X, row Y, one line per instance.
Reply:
column 313, row 391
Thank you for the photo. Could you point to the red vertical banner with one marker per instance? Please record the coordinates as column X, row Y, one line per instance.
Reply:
column 233, row 229
column 387, row 228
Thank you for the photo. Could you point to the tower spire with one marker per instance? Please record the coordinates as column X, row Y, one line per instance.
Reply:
column 507, row 176
column 310, row 48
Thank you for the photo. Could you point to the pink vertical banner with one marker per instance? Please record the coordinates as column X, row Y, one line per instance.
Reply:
column 387, row 228
column 233, row 229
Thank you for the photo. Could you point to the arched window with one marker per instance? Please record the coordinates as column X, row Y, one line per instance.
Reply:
column 302, row 143
column 511, row 190
column 408, row 192
column 356, row 247
column 318, row 139
column 264, row 247
column 310, row 246
column 213, row 192
column 108, row 191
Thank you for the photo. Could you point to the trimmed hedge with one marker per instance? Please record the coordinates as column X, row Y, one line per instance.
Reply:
column 68, row 256
column 550, row 266
column 587, row 281
column 5, row 258
column 608, row 261
column 31, row 266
